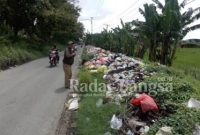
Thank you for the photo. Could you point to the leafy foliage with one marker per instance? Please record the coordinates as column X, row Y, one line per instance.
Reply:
column 158, row 35
column 164, row 30
column 117, row 40
column 41, row 19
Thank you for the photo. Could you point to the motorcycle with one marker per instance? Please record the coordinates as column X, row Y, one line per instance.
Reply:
column 53, row 58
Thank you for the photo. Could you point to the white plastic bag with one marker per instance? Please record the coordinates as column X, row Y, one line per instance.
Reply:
column 73, row 104
column 115, row 123
column 193, row 103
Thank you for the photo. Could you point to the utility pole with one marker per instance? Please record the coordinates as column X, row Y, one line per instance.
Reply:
column 91, row 19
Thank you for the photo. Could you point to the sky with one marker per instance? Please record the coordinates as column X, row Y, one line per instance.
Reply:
column 107, row 13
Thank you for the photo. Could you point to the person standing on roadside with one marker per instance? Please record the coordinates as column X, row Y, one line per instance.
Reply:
column 68, row 61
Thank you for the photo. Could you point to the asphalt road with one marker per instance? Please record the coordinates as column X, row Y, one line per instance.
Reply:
column 32, row 98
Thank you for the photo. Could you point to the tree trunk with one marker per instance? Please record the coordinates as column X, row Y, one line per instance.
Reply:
column 151, row 50
column 173, row 53
column 165, row 52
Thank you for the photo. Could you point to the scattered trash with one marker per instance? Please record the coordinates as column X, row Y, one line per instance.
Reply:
column 165, row 131
column 146, row 103
column 144, row 130
column 73, row 104
column 197, row 130
column 99, row 103
column 116, row 123
column 129, row 132
column 133, row 123
column 74, row 95
column 193, row 103
column 121, row 73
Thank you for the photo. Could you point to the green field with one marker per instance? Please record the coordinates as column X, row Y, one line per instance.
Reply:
column 188, row 60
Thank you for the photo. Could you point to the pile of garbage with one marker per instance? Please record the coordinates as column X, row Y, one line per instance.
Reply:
column 120, row 71
column 140, row 114
column 120, row 74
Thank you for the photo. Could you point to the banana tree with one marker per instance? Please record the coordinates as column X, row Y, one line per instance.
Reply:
column 149, row 29
column 174, row 26
column 166, row 29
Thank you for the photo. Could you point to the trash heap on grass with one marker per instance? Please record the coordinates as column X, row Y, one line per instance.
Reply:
column 120, row 72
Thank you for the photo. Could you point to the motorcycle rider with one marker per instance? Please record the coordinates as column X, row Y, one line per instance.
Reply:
column 54, row 48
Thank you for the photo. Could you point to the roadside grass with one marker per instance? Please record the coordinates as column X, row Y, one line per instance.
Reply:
column 21, row 51
column 92, row 119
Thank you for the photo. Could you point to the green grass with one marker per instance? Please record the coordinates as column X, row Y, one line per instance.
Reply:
column 21, row 51
column 93, row 120
column 188, row 60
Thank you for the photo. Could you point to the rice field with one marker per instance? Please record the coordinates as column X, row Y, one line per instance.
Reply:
column 188, row 60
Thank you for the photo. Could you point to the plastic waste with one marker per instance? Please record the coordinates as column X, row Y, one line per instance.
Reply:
column 165, row 131
column 133, row 123
column 115, row 123
column 193, row 103
column 146, row 103
column 73, row 104
column 102, row 69
column 144, row 130
column 130, row 133
column 197, row 130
